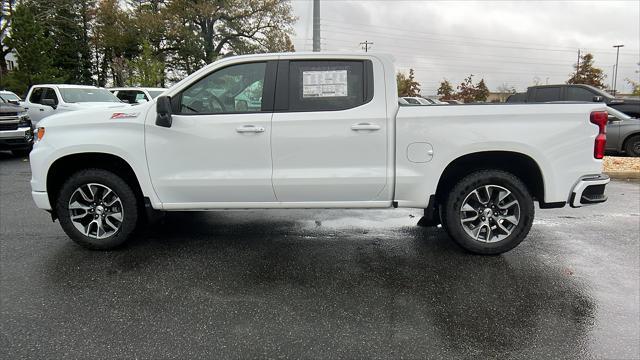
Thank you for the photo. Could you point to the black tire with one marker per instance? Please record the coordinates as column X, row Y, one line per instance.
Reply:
column 632, row 146
column 452, row 216
column 128, row 201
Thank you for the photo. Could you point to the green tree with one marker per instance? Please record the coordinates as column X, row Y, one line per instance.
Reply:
column 467, row 90
column 228, row 27
column 146, row 68
column 407, row 85
column 446, row 91
column 586, row 73
column 482, row 92
column 116, row 41
column 33, row 48
column 635, row 84
column 7, row 8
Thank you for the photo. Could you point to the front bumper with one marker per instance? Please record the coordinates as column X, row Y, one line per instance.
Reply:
column 41, row 198
column 20, row 138
column 589, row 191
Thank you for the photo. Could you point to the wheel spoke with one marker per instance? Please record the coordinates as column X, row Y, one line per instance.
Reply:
column 507, row 206
column 84, row 195
column 107, row 220
column 503, row 194
column 503, row 228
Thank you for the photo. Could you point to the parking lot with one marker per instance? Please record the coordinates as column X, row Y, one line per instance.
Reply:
column 319, row 284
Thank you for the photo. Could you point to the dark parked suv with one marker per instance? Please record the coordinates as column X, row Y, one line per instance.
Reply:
column 572, row 92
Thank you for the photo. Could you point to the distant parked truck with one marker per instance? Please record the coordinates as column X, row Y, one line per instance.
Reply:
column 136, row 95
column 45, row 100
column 576, row 92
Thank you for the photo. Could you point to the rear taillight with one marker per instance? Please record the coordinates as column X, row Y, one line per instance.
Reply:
column 600, row 118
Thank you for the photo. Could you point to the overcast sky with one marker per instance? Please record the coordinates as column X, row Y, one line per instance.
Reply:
column 504, row 42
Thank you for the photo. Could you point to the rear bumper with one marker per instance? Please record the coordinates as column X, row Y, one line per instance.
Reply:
column 589, row 191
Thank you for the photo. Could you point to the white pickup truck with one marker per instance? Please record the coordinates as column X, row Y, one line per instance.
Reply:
column 316, row 130
column 49, row 99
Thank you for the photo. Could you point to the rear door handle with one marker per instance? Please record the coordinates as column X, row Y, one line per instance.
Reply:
column 250, row 129
column 365, row 126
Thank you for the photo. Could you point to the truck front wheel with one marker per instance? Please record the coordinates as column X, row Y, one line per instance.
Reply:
column 488, row 212
column 97, row 209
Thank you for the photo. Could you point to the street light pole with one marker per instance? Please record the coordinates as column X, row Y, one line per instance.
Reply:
column 316, row 25
column 615, row 74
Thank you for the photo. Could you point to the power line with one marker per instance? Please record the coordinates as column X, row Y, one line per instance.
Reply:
column 413, row 34
column 340, row 29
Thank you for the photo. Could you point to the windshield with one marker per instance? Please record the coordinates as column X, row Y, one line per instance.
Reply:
column 79, row 95
column 618, row 114
column 155, row 93
column 10, row 97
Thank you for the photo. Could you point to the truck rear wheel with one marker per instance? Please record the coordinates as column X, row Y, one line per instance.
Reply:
column 488, row 212
column 97, row 209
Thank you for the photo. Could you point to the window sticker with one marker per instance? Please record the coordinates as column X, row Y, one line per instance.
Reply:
column 331, row 83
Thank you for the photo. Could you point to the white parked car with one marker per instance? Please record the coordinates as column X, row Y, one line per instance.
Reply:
column 329, row 133
column 136, row 95
column 49, row 99
column 10, row 97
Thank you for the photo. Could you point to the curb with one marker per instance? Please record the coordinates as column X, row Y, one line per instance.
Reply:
column 623, row 175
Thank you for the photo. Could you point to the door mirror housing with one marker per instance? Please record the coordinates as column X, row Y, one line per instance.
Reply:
column 597, row 98
column 163, row 111
column 49, row 102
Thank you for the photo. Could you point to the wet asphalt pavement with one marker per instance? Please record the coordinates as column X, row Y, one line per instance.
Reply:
column 319, row 284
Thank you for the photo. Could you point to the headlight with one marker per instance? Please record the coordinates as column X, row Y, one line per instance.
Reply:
column 39, row 134
column 24, row 119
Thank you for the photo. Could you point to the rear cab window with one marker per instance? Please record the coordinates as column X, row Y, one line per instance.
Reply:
column 131, row 96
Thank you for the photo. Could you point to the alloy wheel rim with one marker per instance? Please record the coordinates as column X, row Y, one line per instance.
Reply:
column 490, row 213
column 96, row 210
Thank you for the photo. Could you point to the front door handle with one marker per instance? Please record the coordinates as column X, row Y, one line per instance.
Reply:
column 365, row 126
column 41, row 109
column 250, row 129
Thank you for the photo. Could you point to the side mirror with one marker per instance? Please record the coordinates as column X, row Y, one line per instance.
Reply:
column 163, row 111
column 597, row 99
column 49, row 102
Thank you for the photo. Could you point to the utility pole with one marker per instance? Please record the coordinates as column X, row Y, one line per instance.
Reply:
column 615, row 74
column 316, row 25
column 366, row 44
column 578, row 66
column 613, row 69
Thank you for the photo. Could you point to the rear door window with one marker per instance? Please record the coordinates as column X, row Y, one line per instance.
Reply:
column 327, row 85
column 50, row 94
